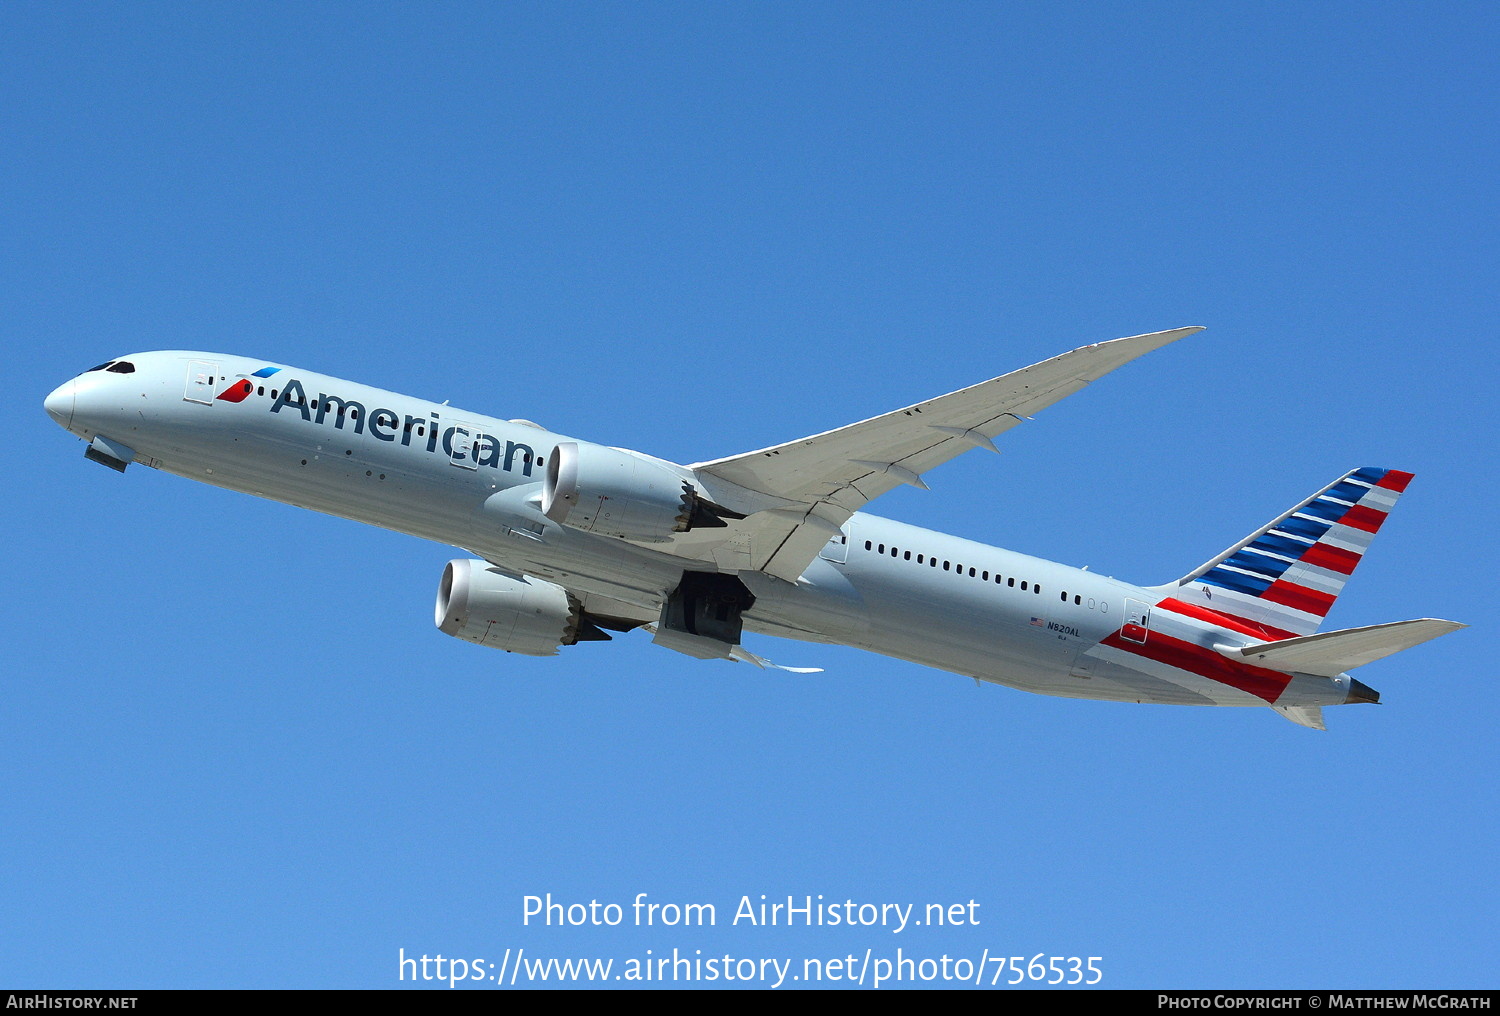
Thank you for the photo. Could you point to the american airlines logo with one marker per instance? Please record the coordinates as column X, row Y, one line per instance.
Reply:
column 242, row 388
column 456, row 442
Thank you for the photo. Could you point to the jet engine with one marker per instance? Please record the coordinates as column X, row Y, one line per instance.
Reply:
column 479, row 603
column 615, row 493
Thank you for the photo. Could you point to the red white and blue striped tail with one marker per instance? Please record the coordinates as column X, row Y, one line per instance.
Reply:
column 1285, row 577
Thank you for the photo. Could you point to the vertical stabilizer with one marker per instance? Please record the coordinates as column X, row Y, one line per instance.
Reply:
column 1283, row 578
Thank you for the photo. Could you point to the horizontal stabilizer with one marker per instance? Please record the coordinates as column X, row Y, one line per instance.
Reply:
column 1333, row 652
column 1307, row 716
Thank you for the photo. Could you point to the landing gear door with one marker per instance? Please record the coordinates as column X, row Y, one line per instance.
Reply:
column 1137, row 622
column 200, row 382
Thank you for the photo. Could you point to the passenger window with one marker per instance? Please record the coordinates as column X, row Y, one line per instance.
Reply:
column 919, row 559
column 867, row 544
column 908, row 556
column 1011, row 581
column 971, row 573
column 946, row 565
column 1078, row 601
column 1023, row 585
column 985, row 576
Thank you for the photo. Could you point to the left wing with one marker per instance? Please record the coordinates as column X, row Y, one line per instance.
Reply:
column 800, row 493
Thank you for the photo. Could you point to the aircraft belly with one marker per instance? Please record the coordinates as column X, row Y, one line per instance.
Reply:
column 931, row 626
column 377, row 493
column 822, row 606
column 1126, row 677
column 988, row 633
column 352, row 477
column 1113, row 683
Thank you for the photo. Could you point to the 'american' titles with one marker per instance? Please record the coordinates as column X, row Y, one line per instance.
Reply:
column 388, row 425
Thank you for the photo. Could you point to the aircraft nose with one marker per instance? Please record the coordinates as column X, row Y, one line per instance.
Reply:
column 59, row 404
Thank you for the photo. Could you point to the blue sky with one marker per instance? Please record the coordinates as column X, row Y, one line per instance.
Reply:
column 236, row 752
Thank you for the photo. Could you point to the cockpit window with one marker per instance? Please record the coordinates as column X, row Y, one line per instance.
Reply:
column 107, row 363
column 122, row 367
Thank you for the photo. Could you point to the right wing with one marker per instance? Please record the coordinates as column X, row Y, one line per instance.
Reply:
column 808, row 488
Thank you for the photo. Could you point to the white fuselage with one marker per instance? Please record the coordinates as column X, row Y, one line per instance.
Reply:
column 456, row 477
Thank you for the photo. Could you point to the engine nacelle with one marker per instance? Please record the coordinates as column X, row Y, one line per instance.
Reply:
column 481, row 604
column 613, row 493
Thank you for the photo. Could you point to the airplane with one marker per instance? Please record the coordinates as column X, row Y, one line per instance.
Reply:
column 571, row 540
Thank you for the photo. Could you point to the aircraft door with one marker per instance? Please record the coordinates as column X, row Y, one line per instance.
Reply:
column 200, row 382
column 1137, row 621
column 463, row 453
column 837, row 549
